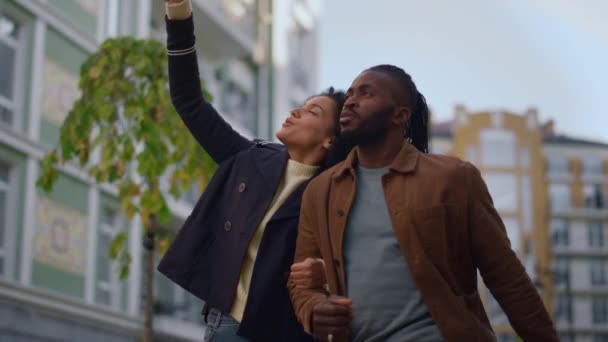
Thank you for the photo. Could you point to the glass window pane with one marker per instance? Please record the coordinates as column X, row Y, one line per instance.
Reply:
column 503, row 188
column 497, row 148
column 592, row 166
column 472, row 154
column 594, row 196
column 108, row 217
column 6, row 115
column 561, row 268
column 559, row 196
column 3, row 204
column 513, row 232
column 524, row 158
column 4, row 170
column 527, row 210
column 596, row 234
column 560, row 232
column 103, row 260
column 7, row 69
column 558, row 164
column 102, row 296
column 8, row 27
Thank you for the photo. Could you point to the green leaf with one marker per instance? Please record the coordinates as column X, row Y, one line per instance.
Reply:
column 164, row 214
column 124, row 272
column 117, row 244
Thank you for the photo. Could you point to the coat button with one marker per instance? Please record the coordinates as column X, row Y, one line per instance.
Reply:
column 227, row 226
column 242, row 187
column 337, row 263
column 340, row 212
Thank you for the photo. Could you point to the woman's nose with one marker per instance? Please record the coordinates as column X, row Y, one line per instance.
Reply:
column 295, row 113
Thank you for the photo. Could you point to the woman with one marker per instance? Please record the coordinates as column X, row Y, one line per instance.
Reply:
column 236, row 248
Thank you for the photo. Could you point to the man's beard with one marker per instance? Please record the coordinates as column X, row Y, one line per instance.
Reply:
column 371, row 131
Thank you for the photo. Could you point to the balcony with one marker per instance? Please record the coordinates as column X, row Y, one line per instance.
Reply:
column 226, row 26
column 223, row 28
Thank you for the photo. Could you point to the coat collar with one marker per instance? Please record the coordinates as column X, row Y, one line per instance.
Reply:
column 405, row 161
column 270, row 164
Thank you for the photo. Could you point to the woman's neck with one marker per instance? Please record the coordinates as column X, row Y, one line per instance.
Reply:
column 307, row 157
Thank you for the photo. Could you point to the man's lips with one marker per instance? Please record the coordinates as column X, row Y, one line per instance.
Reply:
column 347, row 117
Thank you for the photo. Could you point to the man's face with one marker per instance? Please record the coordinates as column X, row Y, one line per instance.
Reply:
column 367, row 112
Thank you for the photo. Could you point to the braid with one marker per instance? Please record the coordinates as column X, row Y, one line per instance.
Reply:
column 416, row 131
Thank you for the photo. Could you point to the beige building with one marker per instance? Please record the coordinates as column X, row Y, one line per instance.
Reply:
column 551, row 192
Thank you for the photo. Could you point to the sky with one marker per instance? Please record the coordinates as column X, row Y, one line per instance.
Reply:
column 487, row 55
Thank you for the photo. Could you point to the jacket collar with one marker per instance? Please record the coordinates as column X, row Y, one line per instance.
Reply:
column 405, row 161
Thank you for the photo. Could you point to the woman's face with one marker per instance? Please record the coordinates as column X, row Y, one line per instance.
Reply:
column 310, row 127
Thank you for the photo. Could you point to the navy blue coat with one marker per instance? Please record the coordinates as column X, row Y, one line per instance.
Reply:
column 206, row 256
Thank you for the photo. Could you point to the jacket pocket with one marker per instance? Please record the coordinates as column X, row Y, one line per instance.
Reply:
column 430, row 227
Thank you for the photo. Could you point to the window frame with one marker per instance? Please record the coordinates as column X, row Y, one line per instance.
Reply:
column 7, row 251
column 20, row 44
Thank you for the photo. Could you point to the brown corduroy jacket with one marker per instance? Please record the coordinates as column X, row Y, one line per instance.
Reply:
column 447, row 228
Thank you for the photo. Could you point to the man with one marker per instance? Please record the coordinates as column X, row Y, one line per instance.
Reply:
column 403, row 233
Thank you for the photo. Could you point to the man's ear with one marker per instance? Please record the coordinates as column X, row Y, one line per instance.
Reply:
column 401, row 116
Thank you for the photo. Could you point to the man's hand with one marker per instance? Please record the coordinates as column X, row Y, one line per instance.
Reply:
column 332, row 317
column 309, row 274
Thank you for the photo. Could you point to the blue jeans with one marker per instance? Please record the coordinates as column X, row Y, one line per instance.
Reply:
column 221, row 328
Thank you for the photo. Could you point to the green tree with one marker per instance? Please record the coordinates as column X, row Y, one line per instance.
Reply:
column 125, row 132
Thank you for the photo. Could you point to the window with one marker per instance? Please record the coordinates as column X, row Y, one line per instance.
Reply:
column 472, row 154
column 558, row 164
column 505, row 337
column 600, row 338
column 107, row 284
column 524, row 158
column 563, row 308
column 559, row 196
column 560, row 233
column 598, row 272
column 592, row 166
column 561, row 267
column 600, row 310
column 527, row 204
column 4, row 192
column 10, row 31
column 495, row 313
column 596, row 234
column 594, row 197
column 503, row 188
column 497, row 148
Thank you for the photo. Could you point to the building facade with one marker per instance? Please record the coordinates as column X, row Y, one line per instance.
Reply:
column 56, row 279
column 551, row 192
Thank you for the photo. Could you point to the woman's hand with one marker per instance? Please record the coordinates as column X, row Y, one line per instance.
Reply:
column 309, row 274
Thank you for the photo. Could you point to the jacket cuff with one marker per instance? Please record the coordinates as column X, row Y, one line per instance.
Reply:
column 180, row 35
column 307, row 312
column 178, row 11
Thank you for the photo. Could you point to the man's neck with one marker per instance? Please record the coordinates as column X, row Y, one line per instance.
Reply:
column 381, row 153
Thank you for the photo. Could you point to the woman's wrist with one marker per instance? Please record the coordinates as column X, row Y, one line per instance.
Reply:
column 178, row 10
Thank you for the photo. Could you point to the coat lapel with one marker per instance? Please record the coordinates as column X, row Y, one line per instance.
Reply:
column 269, row 165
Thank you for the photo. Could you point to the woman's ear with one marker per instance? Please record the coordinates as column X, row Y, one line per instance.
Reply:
column 328, row 142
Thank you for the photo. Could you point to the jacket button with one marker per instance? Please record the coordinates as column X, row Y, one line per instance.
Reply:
column 227, row 226
column 337, row 263
column 242, row 187
column 340, row 212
